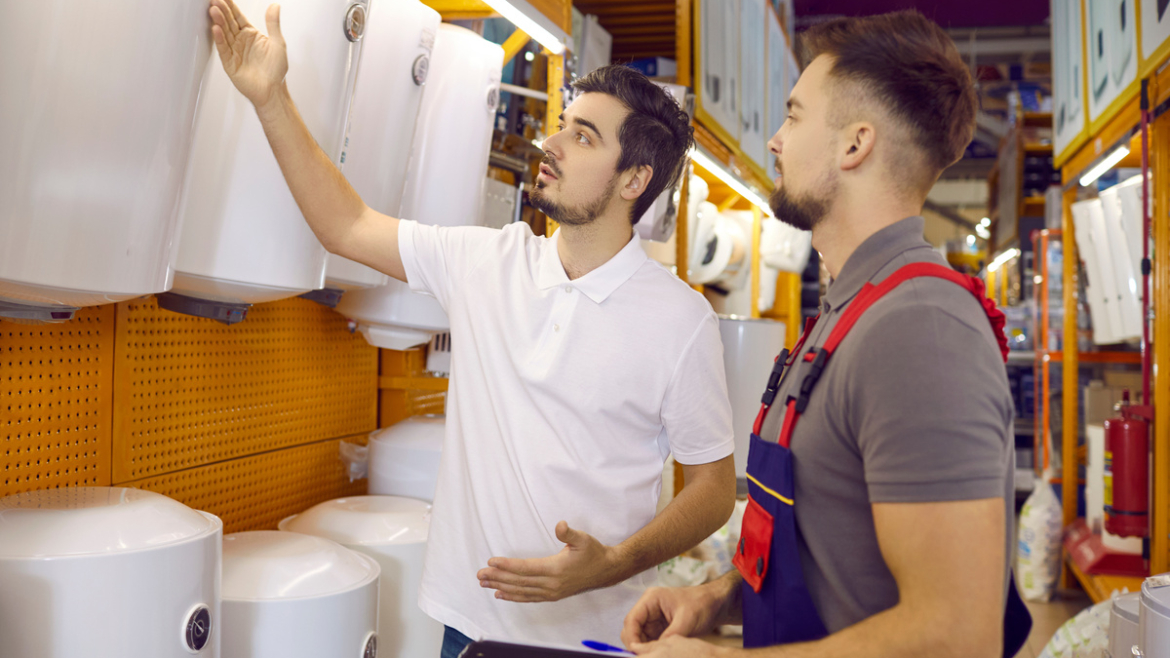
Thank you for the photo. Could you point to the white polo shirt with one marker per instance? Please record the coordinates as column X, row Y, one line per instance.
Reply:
column 565, row 399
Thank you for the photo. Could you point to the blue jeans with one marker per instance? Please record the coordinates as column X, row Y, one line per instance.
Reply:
column 454, row 643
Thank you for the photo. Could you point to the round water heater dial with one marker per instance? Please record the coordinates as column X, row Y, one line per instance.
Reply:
column 355, row 22
column 198, row 629
column 371, row 650
column 419, row 70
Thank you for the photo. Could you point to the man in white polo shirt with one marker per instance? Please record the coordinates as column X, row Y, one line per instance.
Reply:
column 581, row 364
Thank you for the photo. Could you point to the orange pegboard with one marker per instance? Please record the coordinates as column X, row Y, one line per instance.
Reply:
column 255, row 493
column 192, row 392
column 398, row 404
column 55, row 402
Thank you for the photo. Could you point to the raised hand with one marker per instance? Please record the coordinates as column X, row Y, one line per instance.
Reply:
column 583, row 564
column 255, row 63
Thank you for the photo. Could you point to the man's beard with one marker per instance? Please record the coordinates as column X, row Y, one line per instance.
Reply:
column 579, row 216
column 806, row 211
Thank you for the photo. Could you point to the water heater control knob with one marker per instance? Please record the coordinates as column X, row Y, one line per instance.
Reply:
column 197, row 629
column 371, row 650
column 355, row 22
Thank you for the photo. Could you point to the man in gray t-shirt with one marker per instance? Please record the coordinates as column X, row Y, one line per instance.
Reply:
column 880, row 515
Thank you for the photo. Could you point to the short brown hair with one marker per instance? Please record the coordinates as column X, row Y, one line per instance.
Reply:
column 907, row 64
column 656, row 132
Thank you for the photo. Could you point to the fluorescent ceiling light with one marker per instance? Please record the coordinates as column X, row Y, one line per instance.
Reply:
column 1003, row 258
column 986, row 221
column 1105, row 165
column 527, row 24
column 970, row 239
column 983, row 232
column 717, row 170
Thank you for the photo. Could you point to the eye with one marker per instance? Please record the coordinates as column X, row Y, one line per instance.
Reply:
column 582, row 138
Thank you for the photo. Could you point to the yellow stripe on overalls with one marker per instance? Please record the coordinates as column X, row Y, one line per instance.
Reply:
column 787, row 501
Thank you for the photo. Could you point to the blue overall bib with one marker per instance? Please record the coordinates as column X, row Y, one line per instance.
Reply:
column 777, row 606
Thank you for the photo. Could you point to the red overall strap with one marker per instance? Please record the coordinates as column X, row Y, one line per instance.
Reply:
column 777, row 371
column 870, row 294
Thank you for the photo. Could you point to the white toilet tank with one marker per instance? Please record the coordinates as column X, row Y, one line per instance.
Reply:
column 395, row 66
column 449, row 159
column 244, row 240
column 107, row 572
column 290, row 595
column 97, row 100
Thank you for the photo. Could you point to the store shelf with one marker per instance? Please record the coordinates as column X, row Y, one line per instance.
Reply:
column 1032, row 206
column 1037, row 149
column 1132, row 358
column 1020, row 357
column 1100, row 588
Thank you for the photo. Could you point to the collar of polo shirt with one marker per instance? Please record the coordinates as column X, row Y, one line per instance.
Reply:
column 874, row 254
column 601, row 282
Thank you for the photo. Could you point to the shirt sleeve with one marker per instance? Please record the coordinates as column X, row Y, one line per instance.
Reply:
column 931, row 408
column 437, row 259
column 696, row 412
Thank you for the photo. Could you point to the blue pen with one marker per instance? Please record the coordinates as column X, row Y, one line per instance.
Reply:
column 601, row 646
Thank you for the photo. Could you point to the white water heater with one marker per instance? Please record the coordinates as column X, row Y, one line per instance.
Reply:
column 449, row 159
column 108, row 573
column 393, row 531
column 404, row 458
column 244, row 240
column 749, row 348
column 289, row 595
column 396, row 54
column 98, row 101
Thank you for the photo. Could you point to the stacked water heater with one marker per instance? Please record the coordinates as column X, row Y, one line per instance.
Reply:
column 448, row 164
column 108, row 573
column 244, row 240
column 93, row 148
column 290, row 595
column 395, row 65
column 391, row 526
column 749, row 347
column 1108, row 233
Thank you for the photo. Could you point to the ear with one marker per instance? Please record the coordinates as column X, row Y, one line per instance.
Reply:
column 636, row 181
column 859, row 141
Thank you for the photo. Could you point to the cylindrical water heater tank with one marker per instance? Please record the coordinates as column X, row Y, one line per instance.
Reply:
column 396, row 53
column 98, row 101
column 749, row 349
column 448, row 165
column 404, row 458
column 291, row 595
column 393, row 531
column 244, row 240
column 107, row 573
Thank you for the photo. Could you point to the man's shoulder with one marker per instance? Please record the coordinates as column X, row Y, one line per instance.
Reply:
column 663, row 289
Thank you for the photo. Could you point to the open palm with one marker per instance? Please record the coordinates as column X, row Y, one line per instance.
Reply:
column 255, row 63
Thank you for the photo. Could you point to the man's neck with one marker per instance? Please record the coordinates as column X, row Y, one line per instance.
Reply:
column 842, row 231
column 583, row 249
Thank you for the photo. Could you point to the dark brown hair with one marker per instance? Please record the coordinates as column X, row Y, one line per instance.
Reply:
column 907, row 64
column 656, row 132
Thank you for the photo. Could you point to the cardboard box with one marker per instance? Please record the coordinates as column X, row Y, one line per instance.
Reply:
column 1100, row 398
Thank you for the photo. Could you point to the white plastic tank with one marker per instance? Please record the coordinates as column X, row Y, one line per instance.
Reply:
column 393, row 531
column 1123, row 624
column 93, row 148
column 289, row 595
column 449, row 159
column 396, row 53
column 106, row 572
column 404, row 458
column 1154, row 617
column 244, row 241
column 749, row 348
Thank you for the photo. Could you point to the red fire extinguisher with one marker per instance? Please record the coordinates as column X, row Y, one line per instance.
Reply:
column 1127, row 472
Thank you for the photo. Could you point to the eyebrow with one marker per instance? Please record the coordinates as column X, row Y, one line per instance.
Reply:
column 588, row 124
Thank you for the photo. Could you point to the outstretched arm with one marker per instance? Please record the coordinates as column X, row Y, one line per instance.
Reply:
column 701, row 508
column 257, row 64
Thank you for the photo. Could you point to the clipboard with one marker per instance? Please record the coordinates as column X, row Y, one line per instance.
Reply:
column 494, row 649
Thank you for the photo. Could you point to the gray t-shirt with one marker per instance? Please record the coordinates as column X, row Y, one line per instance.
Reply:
column 914, row 406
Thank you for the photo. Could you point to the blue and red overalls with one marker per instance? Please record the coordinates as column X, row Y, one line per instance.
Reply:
column 777, row 606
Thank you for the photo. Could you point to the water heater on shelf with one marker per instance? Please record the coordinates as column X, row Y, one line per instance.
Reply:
column 93, row 148
column 395, row 65
column 244, row 241
column 449, row 158
column 108, row 573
